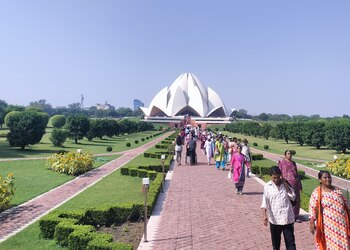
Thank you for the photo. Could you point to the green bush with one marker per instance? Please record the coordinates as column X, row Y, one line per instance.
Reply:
column 63, row 230
column 301, row 174
column 146, row 155
column 266, row 147
column 147, row 138
column 142, row 173
column 58, row 137
column 109, row 149
column 124, row 171
column 128, row 144
column 255, row 144
column 142, row 139
column 257, row 157
column 152, row 175
column 136, row 141
column 80, row 237
column 71, row 163
column 133, row 172
column 7, row 190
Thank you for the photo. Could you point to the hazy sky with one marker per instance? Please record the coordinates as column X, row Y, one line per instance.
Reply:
column 270, row 56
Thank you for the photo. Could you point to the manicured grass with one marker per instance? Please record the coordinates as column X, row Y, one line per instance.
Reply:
column 32, row 177
column 29, row 239
column 279, row 146
column 114, row 188
column 97, row 146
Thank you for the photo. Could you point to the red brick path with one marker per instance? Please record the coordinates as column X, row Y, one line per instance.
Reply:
column 17, row 218
column 201, row 211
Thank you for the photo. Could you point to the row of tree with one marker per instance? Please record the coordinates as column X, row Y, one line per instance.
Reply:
column 28, row 127
column 334, row 134
column 74, row 108
column 243, row 114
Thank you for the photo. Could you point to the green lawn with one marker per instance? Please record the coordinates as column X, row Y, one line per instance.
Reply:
column 97, row 146
column 32, row 177
column 279, row 146
column 114, row 188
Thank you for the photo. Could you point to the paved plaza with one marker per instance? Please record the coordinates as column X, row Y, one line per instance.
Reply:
column 200, row 210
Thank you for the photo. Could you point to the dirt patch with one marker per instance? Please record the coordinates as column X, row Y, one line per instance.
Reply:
column 130, row 232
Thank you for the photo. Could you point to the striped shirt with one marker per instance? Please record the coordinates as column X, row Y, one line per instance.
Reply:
column 277, row 202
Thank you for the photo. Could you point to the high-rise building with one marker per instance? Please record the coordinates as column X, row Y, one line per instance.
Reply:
column 138, row 104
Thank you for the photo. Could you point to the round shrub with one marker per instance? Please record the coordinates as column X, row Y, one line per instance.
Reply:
column 266, row 147
column 58, row 137
column 142, row 139
column 136, row 141
column 293, row 152
column 109, row 149
column 128, row 144
column 255, row 144
column 257, row 157
column 147, row 138
column 151, row 136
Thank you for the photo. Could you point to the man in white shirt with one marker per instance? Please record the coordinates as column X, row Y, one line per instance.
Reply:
column 277, row 204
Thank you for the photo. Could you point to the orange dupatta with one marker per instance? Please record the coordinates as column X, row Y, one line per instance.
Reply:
column 320, row 238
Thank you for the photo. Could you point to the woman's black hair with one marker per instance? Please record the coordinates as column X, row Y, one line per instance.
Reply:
column 275, row 170
column 285, row 152
column 322, row 172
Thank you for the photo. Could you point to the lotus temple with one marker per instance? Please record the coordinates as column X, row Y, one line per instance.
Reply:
column 187, row 98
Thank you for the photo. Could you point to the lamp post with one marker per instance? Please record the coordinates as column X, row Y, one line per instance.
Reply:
column 162, row 157
column 145, row 184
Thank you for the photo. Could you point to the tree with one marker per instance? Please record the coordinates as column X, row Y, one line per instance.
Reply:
column 58, row 121
column 295, row 131
column 337, row 135
column 314, row 133
column 26, row 128
column 123, row 112
column 42, row 106
column 265, row 130
column 78, row 126
column 281, row 132
column 58, row 137
column 263, row 117
column 3, row 106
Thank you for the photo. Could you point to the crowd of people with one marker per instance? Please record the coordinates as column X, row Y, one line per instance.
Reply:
column 328, row 210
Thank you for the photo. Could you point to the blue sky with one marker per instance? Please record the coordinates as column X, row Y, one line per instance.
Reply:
column 270, row 56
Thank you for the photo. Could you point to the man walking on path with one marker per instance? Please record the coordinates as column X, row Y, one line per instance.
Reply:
column 192, row 145
column 277, row 203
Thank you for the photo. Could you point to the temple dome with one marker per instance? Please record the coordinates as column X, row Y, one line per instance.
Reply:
column 186, row 96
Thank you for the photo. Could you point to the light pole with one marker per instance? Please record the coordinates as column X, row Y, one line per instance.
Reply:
column 145, row 184
column 163, row 172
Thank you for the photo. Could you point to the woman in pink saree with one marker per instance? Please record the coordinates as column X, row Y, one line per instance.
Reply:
column 238, row 167
column 290, row 173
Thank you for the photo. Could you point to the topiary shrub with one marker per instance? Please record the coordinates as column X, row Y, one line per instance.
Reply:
column 58, row 137
column 266, row 147
column 136, row 141
column 133, row 172
column 128, row 144
column 142, row 173
column 147, row 138
column 255, row 144
column 257, row 157
column 142, row 139
column 109, row 149
column 147, row 155
column 124, row 171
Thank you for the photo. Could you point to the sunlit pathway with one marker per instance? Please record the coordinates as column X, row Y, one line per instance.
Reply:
column 201, row 211
column 17, row 218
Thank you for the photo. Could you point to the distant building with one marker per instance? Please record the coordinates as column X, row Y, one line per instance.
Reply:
column 105, row 106
column 187, row 96
column 138, row 104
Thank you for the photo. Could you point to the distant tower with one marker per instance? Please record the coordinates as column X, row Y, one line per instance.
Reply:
column 82, row 101
column 138, row 104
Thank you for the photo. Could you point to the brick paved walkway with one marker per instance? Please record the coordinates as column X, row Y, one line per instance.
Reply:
column 200, row 210
column 17, row 218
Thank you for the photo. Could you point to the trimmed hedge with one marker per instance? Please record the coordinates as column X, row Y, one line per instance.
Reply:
column 257, row 157
column 266, row 147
